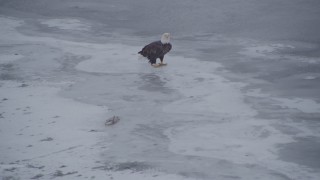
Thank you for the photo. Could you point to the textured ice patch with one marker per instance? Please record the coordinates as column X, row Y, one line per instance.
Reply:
column 9, row 58
column 250, row 142
column 67, row 24
column 8, row 24
column 8, row 32
column 239, row 141
column 263, row 50
column 41, row 131
column 304, row 105
column 115, row 58
column 206, row 92
column 154, row 175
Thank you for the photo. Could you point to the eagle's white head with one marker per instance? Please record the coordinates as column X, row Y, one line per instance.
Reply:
column 165, row 38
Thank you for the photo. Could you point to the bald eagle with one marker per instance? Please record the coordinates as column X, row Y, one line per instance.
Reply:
column 157, row 49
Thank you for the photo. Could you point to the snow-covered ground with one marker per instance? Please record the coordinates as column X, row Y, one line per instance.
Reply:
column 182, row 121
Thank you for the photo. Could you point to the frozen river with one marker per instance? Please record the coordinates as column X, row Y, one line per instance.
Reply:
column 239, row 98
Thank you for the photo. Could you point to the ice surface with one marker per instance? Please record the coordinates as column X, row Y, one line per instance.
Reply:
column 8, row 58
column 216, row 111
column 66, row 24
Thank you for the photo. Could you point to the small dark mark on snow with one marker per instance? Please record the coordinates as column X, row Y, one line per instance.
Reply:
column 63, row 166
column 59, row 173
column 4, row 99
column 47, row 139
column 37, row 176
column 35, row 167
column 30, row 145
column 10, row 169
column 93, row 130
column 56, row 117
column 133, row 166
column 23, row 85
column 111, row 121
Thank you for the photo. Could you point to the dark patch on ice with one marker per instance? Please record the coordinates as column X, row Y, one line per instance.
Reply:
column 153, row 133
column 287, row 129
column 154, row 83
column 310, row 117
column 69, row 61
column 230, row 177
column 10, row 178
column 6, row 67
column 47, row 139
column 132, row 98
column 111, row 121
column 305, row 151
column 133, row 166
column 199, row 79
column 59, row 173
column 34, row 167
column 37, row 176
column 24, row 85
column 7, row 72
column 196, row 175
column 8, row 76
column 11, row 169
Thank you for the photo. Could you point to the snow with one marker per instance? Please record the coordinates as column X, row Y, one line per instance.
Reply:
column 181, row 121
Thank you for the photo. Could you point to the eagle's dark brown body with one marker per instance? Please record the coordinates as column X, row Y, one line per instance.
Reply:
column 155, row 50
